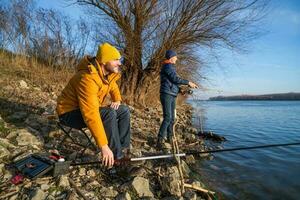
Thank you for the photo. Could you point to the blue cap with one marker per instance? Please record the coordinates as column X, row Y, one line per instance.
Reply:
column 170, row 54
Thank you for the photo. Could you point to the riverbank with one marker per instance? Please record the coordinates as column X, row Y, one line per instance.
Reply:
column 28, row 125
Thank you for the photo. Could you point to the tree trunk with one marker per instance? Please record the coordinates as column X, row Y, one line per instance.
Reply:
column 139, row 87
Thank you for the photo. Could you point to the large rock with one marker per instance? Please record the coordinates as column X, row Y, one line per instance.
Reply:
column 23, row 84
column 190, row 159
column 185, row 168
column 82, row 172
column 17, row 116
column 63, row 181
column 171, row 181
column 108, row 192
column 3, row 152
column 25, row 138
column 38, row 194
column 91, row 173
column 141, row 186
column 5, row 143
column 45, row 187
column 36, row 121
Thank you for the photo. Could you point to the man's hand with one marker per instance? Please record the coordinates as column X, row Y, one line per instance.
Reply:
column 193, row 85
column 115, row 105
column 107, row 156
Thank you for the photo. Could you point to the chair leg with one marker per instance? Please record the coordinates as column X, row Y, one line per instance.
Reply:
column 84, row 146
column 90, row 143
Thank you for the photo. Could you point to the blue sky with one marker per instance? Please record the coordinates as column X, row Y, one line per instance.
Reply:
column 272, row 64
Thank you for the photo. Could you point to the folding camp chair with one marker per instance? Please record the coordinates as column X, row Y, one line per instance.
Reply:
column 68, row 134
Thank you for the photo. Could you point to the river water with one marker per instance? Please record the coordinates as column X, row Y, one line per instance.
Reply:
column 271, row 173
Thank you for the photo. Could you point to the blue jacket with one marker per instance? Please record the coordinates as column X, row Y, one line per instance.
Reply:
column 169, row 80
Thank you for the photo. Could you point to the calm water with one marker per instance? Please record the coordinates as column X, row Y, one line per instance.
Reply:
column 271, row 173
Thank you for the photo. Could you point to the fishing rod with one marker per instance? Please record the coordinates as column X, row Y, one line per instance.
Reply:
column 155, row 157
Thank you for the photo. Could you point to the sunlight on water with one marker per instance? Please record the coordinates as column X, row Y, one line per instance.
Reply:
column 272, row 173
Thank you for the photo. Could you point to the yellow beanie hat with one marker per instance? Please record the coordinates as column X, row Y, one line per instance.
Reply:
column 107, row 52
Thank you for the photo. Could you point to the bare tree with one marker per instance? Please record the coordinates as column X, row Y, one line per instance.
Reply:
column 57, row 40
column 3, row 28
column 144, row 29
column 45, row 34
column 15, row 24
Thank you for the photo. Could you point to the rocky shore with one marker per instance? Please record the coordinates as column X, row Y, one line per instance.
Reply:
column 28, row 125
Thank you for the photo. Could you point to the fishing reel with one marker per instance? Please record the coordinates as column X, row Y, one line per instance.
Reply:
column 185, row 91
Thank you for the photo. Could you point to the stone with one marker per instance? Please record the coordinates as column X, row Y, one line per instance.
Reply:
column 139, row 130
column 171, row 181
column 37, row 89
column 3, row 152
column 94, row 183
column 42, row 181
column 53, row 134
column 131, row 108
column 123, row 196
column 23, row 84
column 204, row 155
column 74, row 196
column 45, row 187
column 51, row 197
column 2, row 167
column 91, row 173
column 38, row 194
column 185, row 168
column 25, row 138
column 190, row 137
column 141, row 186
column 136, row 152
column 17, row 116
column 171, row 198
column 63, row 181
column 82, row 172
column 198, row 184
column 138, row 171
column 7, row 175
column 190, row 159
column 11, row 135
column 108, row 192
column 193, row 130
column 14, row 197
column 190, row 195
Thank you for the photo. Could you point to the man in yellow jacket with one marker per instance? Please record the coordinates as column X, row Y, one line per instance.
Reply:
column 81, row 103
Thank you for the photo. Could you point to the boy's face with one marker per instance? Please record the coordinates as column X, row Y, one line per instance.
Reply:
column 173, row 59
column 112, row 66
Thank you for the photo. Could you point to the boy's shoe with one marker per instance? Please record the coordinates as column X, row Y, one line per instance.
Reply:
column 160, row 143
column 164, row 146
column 170, row 139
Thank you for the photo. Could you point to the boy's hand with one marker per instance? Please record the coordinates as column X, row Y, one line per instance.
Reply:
column 193, row 85
column 115, row 105
column 107, row 156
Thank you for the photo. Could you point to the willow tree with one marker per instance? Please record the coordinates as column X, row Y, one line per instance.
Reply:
column 145, row 29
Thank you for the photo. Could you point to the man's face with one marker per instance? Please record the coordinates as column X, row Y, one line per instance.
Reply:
column 112, row 66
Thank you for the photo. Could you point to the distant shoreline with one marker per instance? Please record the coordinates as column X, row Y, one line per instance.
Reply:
column 265, row 97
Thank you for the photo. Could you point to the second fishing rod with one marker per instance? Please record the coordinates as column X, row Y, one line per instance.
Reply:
column 166, row 156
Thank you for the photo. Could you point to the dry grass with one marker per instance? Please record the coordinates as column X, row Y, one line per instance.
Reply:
column 16, row 67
